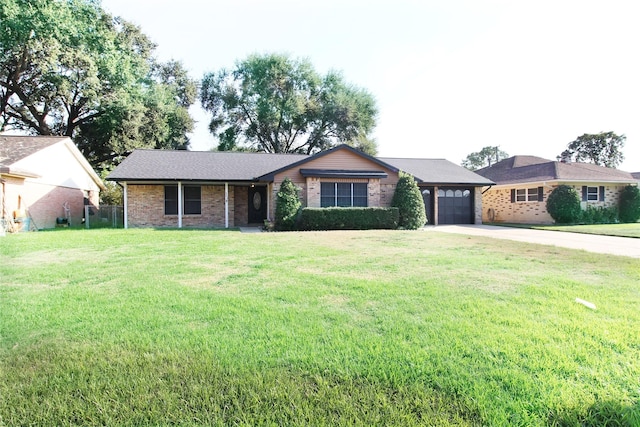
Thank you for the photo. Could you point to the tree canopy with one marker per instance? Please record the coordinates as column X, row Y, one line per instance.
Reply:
column 69, row 68
column 276, row 104
column 604, row 149
column 485, row 157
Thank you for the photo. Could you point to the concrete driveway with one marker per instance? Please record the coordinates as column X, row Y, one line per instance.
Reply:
column 624, row 246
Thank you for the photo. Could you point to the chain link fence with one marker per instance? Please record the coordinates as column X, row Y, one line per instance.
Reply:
column 104, row 216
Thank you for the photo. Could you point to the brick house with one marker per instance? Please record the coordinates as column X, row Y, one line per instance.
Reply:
column 165, row 188
column 523, row 184
column 43, row 178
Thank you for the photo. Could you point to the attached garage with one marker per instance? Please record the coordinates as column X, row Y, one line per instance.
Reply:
column 455, row 205
column 451, row 193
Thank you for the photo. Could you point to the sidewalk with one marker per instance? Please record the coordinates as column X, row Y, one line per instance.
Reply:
column 624, row 246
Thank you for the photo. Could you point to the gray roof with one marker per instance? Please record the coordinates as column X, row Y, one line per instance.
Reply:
column 168, row 165
column 17, row 147
column 174, row 165
column 636, row 175
column 437, row 171
column 522, row 169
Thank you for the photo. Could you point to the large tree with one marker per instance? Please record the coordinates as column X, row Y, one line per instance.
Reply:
column 485, row 157
column 69, row 68
column 276, row 104
column 604, row 149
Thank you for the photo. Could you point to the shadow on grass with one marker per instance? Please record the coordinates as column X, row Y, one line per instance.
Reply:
column 610, row 414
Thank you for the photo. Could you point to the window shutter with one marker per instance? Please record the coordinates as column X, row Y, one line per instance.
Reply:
column 540, row 194
column 584, row 193
column 513, row 195
column 601, row 191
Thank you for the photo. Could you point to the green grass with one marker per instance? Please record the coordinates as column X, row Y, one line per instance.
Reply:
column 623, row 230
column 148, row 327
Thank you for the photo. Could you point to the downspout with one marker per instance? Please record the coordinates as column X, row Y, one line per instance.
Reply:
column 226, row 205
column 179, row 204
column 125, row 200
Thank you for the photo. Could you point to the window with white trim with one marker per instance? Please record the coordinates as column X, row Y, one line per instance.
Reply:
column 592, row 194
column 535, row 194
column 343, row 194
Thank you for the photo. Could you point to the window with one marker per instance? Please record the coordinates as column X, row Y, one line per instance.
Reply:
column 592, row 194
column 535, row 194
column 171, row 200
column 192, row 200
column 343, row 194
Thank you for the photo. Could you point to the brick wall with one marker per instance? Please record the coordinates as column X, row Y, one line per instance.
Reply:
column 499, row 201
column 241, row 211
column 145, row 207
column 44, row 202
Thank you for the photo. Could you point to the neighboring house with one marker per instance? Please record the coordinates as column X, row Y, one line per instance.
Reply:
column 228, row 189
column 636, row 175
column 523, row 184
column 44, row 178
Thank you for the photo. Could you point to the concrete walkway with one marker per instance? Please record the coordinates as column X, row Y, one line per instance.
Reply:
column 624, row 246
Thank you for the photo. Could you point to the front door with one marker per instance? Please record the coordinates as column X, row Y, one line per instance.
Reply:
column 427, row 198
column 257, row 204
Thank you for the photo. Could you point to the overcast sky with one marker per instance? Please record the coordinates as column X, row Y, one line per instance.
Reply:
column 449, row 76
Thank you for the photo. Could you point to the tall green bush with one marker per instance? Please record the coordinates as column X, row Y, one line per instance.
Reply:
column 408, row 199
column 563, row 204
column 629, row 210
column 287, row 206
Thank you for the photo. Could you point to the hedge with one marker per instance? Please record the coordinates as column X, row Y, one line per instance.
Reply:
column 348, row 218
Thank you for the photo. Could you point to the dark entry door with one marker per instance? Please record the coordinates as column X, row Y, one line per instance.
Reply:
column 257, row 204
column 427, row 198
column 455, row 205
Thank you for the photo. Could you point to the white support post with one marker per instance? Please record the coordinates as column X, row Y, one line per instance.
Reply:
column 179, row 204
column 268, row 201
column 126, row 204
column 226, row 205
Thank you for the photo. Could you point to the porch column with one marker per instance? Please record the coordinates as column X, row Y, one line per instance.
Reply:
column 226, row 205
column 269, row 201
column 179, row 204
column 125, row 206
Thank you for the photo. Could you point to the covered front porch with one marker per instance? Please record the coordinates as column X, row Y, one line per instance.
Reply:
column 191, row 204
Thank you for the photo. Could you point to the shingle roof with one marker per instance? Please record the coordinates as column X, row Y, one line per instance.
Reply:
column 150, row 165
column 17, row 147
column 437, row 171
column 521, row 169
column 167, row 165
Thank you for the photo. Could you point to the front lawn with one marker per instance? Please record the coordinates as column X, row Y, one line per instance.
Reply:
column 622, row 230
column 147, row 327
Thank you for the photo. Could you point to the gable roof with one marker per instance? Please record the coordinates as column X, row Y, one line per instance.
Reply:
column 17, row 147
column 269, row 176
column 437, row 171
column 181, row 165
column 522, row 169
column 14, row 148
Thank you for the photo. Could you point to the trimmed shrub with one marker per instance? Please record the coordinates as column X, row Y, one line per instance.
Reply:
column 348, row 218
column 629, row 204
column 287, row 206
column 563, row 204
column 408, row 199
column 599, row 215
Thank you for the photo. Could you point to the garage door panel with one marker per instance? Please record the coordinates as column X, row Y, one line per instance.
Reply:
column 455, row 205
